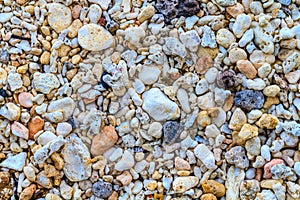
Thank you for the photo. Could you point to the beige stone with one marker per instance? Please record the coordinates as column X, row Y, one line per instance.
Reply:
column 247, row 68
column 59, row 16
column 271, row 91
column 247, row 132
column 238, row 119
column 267, row 121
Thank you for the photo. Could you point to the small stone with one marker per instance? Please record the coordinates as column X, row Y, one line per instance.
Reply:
column 16, row 162
column 249, row 189
column 45, row 82
column 241, row 24
column 25, row 99
column 297, row 168
column 149, row 75
column 125, row 178
column 247, row 68
column 94, row 14
column 293, row 77
column 45, row 58
column 65, row 190
column 181, row 164
column 63, row 129
column 152, row 185
column 271, row 91
column 191, row 40
column 206, row 101
column 94, row 37
column 237, row 54
column 204, row 63
column 126, row 162
column 146, row 13
column 214, row 187
column 10, row 111
column 237, row 156
column 247, row 132
column 183, row 99
column 158, row 106
column 104, row 141
column 171, row 131
column 267, row 121
column 65, row 106
column 76, row 11
column 249, row 99
column 35, row 125
column 238, row 119
column 225, row 37
column 19, row 130
column 208, row 38
column 5, row 17
column 269, row 165
column 235, row 10
column 182, row 184
column 205, row 155
column 29, row 173
column 285, row 2
column 50, row 196
column 264, row 70
column 28, row 192
column 203, row 119
column 201, row 87
column 6, row 189
column 174, row 47
column 155, row 129
column 14, row 80
column 76, row 156
column 59, row 17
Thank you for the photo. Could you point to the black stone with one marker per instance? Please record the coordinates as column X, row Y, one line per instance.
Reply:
column 102, row 189
column 3, row 93
column 105, row 85
column 177, row 8
column 249, row 100
column 171, row 131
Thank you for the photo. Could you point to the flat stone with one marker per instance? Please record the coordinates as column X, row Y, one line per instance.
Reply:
column 16, row 162
column 242, row 23
column 205, row 155
column 225, row 37
column 235, row 176
column 247, row 68
column 59, row 17
column 238, row 119
column 25, row 99
column 93, row 37
column 146, row 13
column 5, row 17
column 149, row 75
column 28, row 192
column 271, row 90
column 158, row 106
column 76, row 156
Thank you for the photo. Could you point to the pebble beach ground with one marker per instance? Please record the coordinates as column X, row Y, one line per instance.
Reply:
column 149, row 99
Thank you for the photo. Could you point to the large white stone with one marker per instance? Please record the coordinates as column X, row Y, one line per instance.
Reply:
column 59, row 16
column 76, row 155
column 160, row 107
column 93, row 37
column 182, row 184
column 45, row 82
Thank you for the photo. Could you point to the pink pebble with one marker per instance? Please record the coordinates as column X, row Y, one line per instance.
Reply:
column 19, row 130
column 25, row 99
column 269, row 165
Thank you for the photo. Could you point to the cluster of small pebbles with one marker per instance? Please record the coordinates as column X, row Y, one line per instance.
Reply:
column 149, row 99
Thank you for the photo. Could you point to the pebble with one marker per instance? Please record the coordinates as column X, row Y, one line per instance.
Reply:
column 19, row 130
column 65, row 105
column 237, row 54
column 59, row 17
column 171, row 131
column 237, row 156
column 182, row 184
column 225, row 37
column 158, row 106
column 247, row 132
column 214, row 187
column 149, row 75
column 208, row 197
column 25, row 99
column 271, row 91
column 28, row 192
column 267, row 121
column 95, row 13
column 190, row 39
column 45, row 82
column 102, row 189
column 235, row 10
column 249, row 99
column 35, row 125
column 126, row 162
column 183, row 97
column 155, row 129
column 201, row 87
column 125, row 178
column 247, row 68
column 205, row 155
column 226, row 2
column 269, row 165
column 94, row 37
column 15, row 162
column 181, row 164
column 76, row 167
column 5, row 17
column 241, row 25
column 6, row 190
column 10, row 111
column 146, row 13
column 235, row 176
column 238, row 119
column 14, row 80
column 104, row 141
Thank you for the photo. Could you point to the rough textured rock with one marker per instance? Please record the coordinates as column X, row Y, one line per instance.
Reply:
column 102, row 189
column 267, row 121
column 182, row 184
column 45, row 82
column 249, row 99
column 15, row 162
column 237, row 156
column 6, row 189
column 59, row 17
column 65, row 105
column 171, row 131
column 94, row 37
column 76, row 156
column 214, row 187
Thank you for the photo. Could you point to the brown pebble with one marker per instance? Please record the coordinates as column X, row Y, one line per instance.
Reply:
column 214, row 187
column 28, row 192
column 208, row 197
column 35, row 125
column 203, row 64
column 235, row 10
column 246, row 68
column 76, row 11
